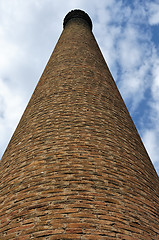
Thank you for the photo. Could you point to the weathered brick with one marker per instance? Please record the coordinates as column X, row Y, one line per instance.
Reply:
column 75, row 167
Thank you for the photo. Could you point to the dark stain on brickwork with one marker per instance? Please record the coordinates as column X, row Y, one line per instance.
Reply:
column 75, row 167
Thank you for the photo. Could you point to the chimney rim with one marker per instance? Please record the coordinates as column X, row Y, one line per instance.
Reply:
column 75, row 14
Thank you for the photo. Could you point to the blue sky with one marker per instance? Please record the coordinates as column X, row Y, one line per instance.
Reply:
column 127, row 33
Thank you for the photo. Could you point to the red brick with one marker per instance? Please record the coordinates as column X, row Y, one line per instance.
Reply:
column 76, row 167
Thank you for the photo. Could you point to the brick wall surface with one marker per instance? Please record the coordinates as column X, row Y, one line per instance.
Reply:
column 75, row 167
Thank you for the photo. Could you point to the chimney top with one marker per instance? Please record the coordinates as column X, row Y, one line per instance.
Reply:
column 77, row 14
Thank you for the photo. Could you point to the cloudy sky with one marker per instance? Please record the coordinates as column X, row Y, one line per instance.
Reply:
column 127, row 33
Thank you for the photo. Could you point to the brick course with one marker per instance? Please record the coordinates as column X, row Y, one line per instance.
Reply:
column 75, row 167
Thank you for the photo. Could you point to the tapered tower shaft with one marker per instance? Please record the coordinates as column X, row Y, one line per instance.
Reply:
column 75, row 167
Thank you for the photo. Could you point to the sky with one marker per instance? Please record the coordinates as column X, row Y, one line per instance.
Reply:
column 127, row 33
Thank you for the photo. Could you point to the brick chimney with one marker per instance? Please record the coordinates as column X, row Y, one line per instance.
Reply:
column 76, row 167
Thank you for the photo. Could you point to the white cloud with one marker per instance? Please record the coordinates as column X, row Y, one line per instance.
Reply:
column 153, row 10
column 150, row 138
column 129, row 49
column 11, row 108
column 155, row 81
